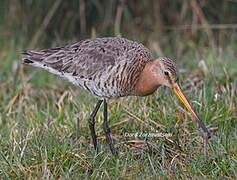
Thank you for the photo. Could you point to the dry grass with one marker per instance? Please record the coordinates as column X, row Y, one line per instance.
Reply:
column 43, row 120
column 44, row 133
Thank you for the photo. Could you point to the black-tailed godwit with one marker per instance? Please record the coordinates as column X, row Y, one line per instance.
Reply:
column 110, row 67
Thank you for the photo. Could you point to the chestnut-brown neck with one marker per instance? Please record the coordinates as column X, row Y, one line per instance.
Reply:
column 147, row 84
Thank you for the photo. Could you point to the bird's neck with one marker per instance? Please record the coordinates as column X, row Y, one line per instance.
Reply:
column 146, row 84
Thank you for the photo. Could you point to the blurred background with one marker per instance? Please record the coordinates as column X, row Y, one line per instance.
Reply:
column 167, row 27
column 41, row 132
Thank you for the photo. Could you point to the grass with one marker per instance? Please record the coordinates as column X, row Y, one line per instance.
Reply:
column 44, row 132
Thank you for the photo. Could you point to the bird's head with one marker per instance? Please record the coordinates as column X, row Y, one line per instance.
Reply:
column 164, row 72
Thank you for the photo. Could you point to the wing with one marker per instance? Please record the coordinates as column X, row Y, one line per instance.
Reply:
column 89, row 59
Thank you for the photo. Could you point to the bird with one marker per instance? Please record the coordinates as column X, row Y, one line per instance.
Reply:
column 110, row 67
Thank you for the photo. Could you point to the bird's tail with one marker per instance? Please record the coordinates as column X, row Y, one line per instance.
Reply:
column 48, row 59
column 31, row 57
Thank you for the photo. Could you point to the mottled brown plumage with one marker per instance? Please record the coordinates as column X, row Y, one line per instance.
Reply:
column 110, row 67
column 106, row 67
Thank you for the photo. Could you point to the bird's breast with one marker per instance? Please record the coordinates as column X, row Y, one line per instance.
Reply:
column 145, row 89
column 146, row 84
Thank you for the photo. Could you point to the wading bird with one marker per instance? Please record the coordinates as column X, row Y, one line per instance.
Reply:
column 107, row 68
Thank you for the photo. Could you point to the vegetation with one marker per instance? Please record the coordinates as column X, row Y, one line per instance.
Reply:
column 43, row 119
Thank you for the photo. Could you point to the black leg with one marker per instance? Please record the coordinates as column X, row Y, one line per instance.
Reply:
column 92, row 123
column 107, row 129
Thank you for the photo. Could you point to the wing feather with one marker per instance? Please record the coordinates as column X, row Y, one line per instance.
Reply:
column 90, row 58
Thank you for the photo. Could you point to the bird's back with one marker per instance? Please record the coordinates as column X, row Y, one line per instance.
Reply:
column 106, row 67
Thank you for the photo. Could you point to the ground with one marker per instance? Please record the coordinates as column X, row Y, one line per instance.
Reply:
column 44, row 130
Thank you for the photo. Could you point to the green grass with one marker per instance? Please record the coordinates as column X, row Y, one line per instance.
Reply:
column 39, row 137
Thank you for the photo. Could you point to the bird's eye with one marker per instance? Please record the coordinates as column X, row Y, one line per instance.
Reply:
column 166, row 73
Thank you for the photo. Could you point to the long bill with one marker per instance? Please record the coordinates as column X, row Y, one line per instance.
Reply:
column 181, row 96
